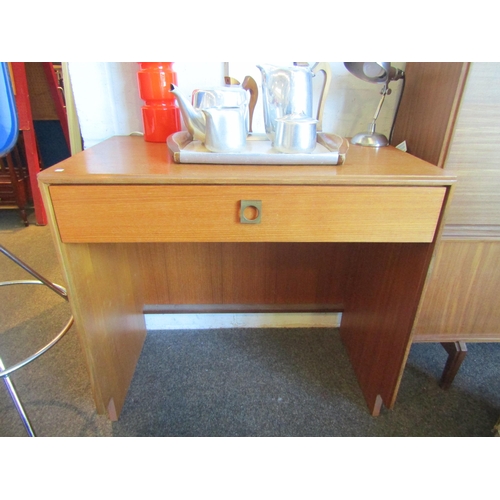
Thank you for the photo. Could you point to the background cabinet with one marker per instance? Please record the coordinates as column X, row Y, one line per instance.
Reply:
column 15, row 189
column 450, row 116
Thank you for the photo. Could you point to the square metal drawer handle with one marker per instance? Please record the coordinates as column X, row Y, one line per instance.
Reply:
column 250, row 211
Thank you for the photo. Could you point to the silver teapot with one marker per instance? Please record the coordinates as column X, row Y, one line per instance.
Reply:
column 221, row 98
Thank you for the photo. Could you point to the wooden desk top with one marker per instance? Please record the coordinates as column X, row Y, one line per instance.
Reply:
column 131, row 160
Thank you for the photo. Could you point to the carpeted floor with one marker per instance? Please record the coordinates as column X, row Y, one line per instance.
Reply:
column 231, row 382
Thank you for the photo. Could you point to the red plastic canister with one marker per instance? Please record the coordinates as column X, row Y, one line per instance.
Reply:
column 160, row 114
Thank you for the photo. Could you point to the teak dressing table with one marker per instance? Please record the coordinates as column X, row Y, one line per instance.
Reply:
column 135, row 232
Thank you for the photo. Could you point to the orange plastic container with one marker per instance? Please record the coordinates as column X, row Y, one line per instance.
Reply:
column 160, row 114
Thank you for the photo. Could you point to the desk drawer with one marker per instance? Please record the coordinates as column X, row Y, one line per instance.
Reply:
column 192, row 213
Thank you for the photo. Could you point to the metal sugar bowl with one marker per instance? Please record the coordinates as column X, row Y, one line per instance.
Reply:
column 295, row 133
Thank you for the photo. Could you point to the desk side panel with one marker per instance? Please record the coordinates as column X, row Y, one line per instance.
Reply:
column 106, row 287
column 106, row 297
column 382, row 295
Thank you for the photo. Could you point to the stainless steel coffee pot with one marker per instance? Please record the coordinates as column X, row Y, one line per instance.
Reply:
column 288, row 91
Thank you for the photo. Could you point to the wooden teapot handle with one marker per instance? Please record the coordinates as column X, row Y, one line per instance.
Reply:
column 251, row 85
column 248, row 84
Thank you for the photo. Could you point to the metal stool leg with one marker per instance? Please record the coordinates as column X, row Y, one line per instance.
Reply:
column 4, row 373
column 17, row 402
column 58, row 289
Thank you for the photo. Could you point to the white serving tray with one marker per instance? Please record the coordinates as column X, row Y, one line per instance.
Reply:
column 330, row 150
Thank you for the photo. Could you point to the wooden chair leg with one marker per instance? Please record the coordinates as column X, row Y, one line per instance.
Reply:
column 456, row 354
column 18, row 186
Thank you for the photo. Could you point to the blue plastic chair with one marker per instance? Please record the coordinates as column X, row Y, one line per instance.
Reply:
column 9, row 123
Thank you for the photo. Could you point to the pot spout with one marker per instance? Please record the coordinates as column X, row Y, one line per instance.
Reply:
column 193, row 119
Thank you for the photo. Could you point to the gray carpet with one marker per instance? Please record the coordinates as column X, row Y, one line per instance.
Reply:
column 230, row 382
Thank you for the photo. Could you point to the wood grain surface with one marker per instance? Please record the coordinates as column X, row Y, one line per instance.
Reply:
column 475, row 151
column 104, row 214
column 429, row 107
column 460, row 302
column 131, row 160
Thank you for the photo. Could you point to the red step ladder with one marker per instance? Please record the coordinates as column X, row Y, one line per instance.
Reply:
column 25, row 116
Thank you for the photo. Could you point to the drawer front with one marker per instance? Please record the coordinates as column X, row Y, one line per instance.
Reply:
column 190, row 213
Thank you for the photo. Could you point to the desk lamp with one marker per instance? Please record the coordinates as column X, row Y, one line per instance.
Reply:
column 374, row 72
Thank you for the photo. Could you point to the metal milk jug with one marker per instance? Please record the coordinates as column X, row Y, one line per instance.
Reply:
column 226, row 129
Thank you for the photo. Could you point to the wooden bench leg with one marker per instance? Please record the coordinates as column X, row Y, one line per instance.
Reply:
column 456, row 354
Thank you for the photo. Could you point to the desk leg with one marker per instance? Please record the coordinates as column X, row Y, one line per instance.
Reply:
column 382, row 295
column 456, row 354
column 106, row 295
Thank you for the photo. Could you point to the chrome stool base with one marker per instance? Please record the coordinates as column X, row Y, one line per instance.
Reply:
column 5, row 372
column 17, row 402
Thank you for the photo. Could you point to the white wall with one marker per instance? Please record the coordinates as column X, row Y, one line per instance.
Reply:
column 108, row 103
